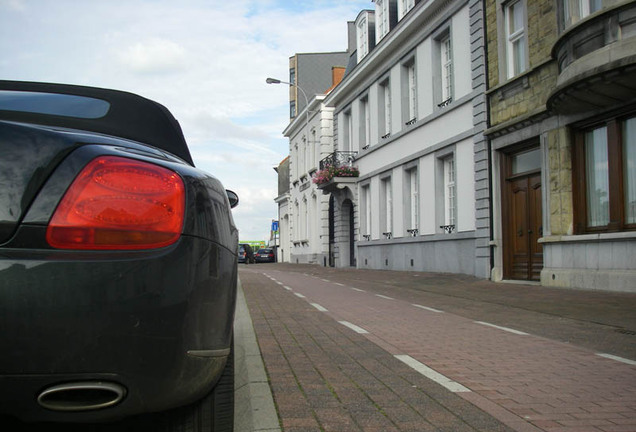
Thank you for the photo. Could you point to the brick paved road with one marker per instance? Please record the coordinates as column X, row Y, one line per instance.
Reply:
column 353, row 353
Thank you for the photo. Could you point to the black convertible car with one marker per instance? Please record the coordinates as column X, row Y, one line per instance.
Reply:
column 118, row 265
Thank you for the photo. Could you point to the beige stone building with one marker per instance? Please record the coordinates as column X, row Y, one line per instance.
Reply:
column 562, row 138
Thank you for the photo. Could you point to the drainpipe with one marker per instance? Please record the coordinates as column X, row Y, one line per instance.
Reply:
column 489, row 144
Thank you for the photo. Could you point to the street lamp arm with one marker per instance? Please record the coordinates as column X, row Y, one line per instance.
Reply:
column 277, row 81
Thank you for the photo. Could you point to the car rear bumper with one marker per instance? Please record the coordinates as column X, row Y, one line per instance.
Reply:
column 156, row 323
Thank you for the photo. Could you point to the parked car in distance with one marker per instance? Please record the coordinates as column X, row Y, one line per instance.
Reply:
column 265, row 255
column 118, row 266
column 245, row 254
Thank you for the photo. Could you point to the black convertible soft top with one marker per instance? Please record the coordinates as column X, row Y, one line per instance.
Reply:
column 110, row 112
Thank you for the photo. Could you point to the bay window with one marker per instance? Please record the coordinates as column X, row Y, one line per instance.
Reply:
column 604, row 175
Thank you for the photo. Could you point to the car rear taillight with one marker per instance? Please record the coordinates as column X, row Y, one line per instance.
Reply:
column 119, row 203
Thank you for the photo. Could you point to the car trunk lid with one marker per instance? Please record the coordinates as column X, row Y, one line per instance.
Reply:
column 28, row 157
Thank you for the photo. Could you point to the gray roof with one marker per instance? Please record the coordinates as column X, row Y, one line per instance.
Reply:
column 313, row 73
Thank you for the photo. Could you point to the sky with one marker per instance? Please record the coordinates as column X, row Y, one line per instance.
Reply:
column 206, row 60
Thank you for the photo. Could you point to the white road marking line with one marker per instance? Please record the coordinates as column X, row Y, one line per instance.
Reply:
column 287, row 288
column 430, row 309
column 279, row 282
column 338, row 283
column 358, row 289
column 384, row 297
column 517, row 332
column 353, row 327
column 299, row 295
column 617, row 358
column 429, row 373
column 320, row 308
column 325, row 280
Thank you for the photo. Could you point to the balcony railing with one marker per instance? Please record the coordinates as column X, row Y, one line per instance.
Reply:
column 337, row 159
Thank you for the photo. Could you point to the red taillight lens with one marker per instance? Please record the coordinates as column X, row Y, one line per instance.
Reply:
column 119, row 203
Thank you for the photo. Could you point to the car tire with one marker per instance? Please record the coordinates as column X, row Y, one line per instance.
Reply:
column 213, row 413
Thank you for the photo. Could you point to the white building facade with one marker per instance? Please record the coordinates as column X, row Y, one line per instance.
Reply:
column 310, row 140
column 413, row 111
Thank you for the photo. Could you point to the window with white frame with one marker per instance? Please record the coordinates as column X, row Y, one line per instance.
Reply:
column 516, row 41
column 315, row 147
column 305, row 219
column 292, row 109
column 365, row 123
column 450, row 192
column 362, row 37
column 404, row 6
column 296, row 161
column 387, row 211
column 385, row 109
column 412, row 202
column 366, row 205
column 314, row 213
column 573, row 11
column 347, row 131
column 409, row 92
column 446, row 57
column 302, row 158
column 381, row 19
column 296, row 227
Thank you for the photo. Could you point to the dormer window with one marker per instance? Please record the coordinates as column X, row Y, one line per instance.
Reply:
column 363, row 38
column 404, row 6
column 365, row 33
column 382, row 19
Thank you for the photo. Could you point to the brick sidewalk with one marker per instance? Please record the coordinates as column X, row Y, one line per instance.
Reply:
column 530, row 383
column 324, row 377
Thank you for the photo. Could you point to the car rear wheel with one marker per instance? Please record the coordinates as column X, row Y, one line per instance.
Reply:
column 213, row 413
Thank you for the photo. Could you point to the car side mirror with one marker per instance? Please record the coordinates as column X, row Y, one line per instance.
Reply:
column 232, row 197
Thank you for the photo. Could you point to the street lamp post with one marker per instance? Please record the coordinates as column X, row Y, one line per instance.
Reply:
column 277, row 81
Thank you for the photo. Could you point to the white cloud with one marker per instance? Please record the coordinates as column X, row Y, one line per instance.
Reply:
column 206, row 60
column 154, row 56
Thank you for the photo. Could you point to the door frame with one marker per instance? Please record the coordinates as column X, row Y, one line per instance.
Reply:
column 506, row 179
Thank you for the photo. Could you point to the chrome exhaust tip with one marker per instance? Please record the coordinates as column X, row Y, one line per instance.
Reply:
column 82, row 396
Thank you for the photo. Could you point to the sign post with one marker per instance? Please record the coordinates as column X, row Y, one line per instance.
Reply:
column 275, row 233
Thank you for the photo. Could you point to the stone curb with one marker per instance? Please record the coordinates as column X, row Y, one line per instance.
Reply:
column 253, row 401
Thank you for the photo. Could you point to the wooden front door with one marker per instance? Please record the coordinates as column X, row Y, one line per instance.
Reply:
column 523, row 224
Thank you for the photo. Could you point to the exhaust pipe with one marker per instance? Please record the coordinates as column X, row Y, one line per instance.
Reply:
column 82, row 396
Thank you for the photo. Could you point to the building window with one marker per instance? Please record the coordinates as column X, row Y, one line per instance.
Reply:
column 302, row 156
column 409, row 92
column 446, row 57
column 387, row 210
column 311, row 151
column 295, row 166
column 605, row 176
column 305, row 219
column 296, row 227
column 443, row 69
column 347, row 131
column 366, row 205
column 515, row 38
column 292, row 75
column 365, row 123
column 412, row 202
column 363, row 38
column 575, row 10
column 381, row 19
column 404, row 6
column 292, row 109
column 385, row 109
column 450, row 192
